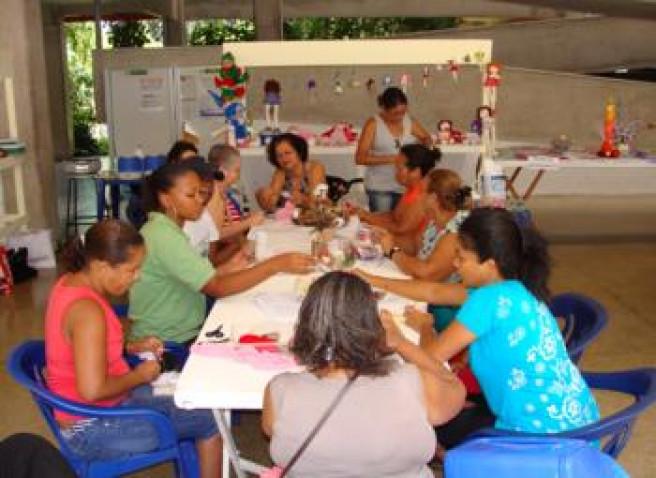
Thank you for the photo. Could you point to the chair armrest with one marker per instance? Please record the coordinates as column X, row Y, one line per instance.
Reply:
column 163, row 427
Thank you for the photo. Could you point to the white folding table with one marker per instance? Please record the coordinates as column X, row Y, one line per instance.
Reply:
column 222, row 384
column 539, row 166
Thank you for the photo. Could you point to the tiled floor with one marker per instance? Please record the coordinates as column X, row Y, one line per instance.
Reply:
column 621, row 276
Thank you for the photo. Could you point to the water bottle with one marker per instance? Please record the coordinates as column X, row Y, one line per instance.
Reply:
column 493, row 184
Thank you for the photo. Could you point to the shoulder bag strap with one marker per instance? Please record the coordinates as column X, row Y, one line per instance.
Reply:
column 319, row 424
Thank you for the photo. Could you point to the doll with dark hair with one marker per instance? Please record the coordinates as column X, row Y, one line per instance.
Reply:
column 272, row 102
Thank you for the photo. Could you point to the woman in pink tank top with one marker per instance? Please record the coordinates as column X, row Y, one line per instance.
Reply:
column 84, row 353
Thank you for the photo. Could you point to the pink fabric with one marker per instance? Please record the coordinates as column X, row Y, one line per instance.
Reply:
column 59, row 350
column 263, row 356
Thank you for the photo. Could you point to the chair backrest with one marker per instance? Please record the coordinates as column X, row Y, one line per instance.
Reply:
column 584, row 318
column 339, row 187
column 26, row 365
column 639, row 383
column 616, row 428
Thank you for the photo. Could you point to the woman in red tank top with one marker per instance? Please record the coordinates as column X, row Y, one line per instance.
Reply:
column 408, row 219
column 84, row 353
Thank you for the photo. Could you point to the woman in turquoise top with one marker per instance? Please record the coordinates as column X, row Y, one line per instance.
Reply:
column 516, row 349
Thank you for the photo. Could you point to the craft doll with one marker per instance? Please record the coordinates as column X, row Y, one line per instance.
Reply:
column 235, row 117
column 477, row 125
column 446, row 134
column 272, row 102
column 231, row 80
column 490, row 84
column 444, row 128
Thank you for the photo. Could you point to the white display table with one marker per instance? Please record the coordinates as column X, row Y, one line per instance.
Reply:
column 538, row 167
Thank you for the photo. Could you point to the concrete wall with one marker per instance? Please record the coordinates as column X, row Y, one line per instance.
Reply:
column 573, row 44
column 22, row 56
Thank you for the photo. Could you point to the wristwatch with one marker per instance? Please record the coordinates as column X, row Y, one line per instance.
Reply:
column 392, row 251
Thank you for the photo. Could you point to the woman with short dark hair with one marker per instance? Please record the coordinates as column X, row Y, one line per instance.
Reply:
column 379, row 144
column 382, row 426
column 295, row 176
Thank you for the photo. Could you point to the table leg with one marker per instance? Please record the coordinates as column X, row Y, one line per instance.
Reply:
column 533, row 184
column 510, row 183
column 100, row 199
column 230, row 454
column 115, row 193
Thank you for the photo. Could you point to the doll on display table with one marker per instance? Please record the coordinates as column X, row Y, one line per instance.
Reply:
column 235, row 115
column 488, row 131
column 476, row 125
column 446, row 134
column 272, row 100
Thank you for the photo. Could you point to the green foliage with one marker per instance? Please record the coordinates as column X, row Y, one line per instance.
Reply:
column 80, row 41
column 128, row 34
column 215, row 32
column 338, row 28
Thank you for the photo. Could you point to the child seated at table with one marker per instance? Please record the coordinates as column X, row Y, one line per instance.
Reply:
column 382, row 424
column 516, row 350
column 84, row 354
column 226, row 162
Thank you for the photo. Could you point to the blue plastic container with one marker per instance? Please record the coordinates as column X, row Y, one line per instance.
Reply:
column 151, row 163
column 130, row 165
column 518, row 457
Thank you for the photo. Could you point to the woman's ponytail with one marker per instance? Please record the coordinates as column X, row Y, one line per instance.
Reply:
column 73, row 255
column 109, row 240
column 535, row 263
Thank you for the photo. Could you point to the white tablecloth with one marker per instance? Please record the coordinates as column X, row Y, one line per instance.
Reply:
column 219, row 383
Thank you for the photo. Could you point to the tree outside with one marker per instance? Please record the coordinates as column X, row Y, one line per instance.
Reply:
column 89, row 137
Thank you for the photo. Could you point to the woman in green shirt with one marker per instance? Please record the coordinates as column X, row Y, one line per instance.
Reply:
column 168, row 300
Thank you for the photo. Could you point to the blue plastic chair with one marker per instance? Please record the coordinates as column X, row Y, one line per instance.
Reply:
column 584, row 319
column 616, row 428
column 26, row 363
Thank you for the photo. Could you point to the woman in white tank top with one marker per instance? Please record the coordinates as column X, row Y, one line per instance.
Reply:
column 382, row 137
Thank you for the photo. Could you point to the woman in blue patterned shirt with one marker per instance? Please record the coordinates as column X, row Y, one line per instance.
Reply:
column 516, row 349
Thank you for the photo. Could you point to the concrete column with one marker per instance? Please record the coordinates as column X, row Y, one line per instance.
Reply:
column 60, row 120
column 267, row 15
column 22, row 44
column 175, row 32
